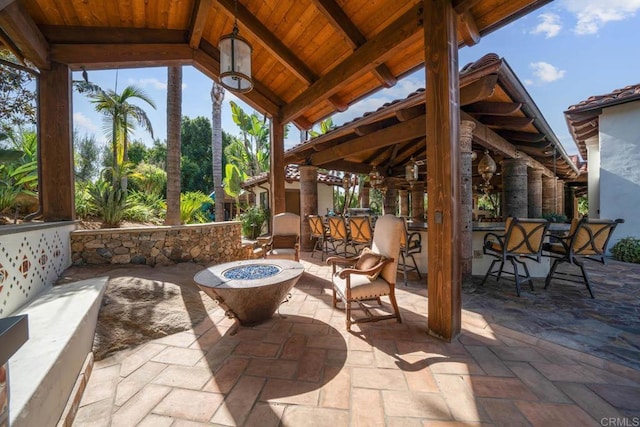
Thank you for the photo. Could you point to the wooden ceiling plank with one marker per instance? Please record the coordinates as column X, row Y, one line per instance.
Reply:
column 494, row 108
column 506, row 121
column 469, row 28
column 461, row 6
column 367, row 57
column 515, row 135
column 485, row 136
column 5, row 3
column 198, row 21
column 269, row 41
column 58, row 34
column 478, row 90
column 383, row 138
column 341, row 22
column 24, row 34
column 406, row 114
column 94, row 56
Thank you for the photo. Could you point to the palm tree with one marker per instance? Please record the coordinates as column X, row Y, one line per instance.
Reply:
column 120, row 118
column 174, row 116
column 217, row 95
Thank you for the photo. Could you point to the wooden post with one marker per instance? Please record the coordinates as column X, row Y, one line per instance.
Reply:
column 56, row 182
column 443, row 182
column 277, row 167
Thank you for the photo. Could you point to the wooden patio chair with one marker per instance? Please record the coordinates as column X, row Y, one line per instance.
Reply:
column 587, row 241
column 285, row 239
column 523, row 238
column 360, row 231
column 338, row 235
column 320, row 233
column 410, row 244
column 371, row 274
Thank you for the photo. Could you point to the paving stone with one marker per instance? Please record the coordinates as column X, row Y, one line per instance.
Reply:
column 238, row 403
column 412, row 404
column 265, row 415
column 102, row 385
column 302, row 415
column 189, row 404
column 507, row 388
column 129, row 386
column 139, row 406
column 178, row 356
column 139, row 357
column 488, row 361
column 537, row 383
column 503, row 413
column 226, row 376
column 589, row 401
column 292, row 392
column 183, row 377
column 554, row 414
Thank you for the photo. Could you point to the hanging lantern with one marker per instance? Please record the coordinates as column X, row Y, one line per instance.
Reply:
column 235, row 60
column 486, row 167
column 411, row 172
column 375, row 179
column 346, row 181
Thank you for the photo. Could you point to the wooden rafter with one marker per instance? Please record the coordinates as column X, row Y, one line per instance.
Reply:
column 341, row 22
column 468, row 28
column 515, row 135
column 198, row 20
column 494, row 108
column 587, row 133
column 5, row 3
column 345, row 165
column 24, row 34
column 404, row 30
column 406, row 114
column 478, row 90
column 506, row 121
column 58, row 34
column 269, row 41
column 463, row 5
column 124, row 54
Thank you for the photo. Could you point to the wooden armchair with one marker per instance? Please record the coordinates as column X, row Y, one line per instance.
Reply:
column 285, row 238
column 587, row 241
column 522, row 239
column 371, row 274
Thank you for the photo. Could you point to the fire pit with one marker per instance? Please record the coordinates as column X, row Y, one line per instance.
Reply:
column 250, row 290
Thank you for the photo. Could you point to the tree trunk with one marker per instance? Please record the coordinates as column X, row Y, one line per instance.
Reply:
column 217, row 95
column 174, row 116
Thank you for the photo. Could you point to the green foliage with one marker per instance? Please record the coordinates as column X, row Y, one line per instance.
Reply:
column 252, row 221
column 196, row 166
column 84, row 203
column 250, row 153
column 17, row 92
column 191, row 207
column 149, row 179
column 87, row 153
column 154, row 207
column 157, row 154
column 627, row 250
column 137, row 152
column 489, row 202
column 325, row 126
column 110, row 201
column 583, row 205
column 555, row 217
column 8, row 197
column 20, row 175
column 234, row 176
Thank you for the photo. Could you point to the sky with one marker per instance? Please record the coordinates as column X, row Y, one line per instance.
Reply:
column 563, row 53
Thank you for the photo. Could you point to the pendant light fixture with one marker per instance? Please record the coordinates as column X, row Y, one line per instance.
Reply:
column 235, row 59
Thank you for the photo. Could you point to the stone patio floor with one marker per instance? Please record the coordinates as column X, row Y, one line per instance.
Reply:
column 305, row 369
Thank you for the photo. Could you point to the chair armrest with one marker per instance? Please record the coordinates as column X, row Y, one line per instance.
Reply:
column 499, row 238
column 373, row 270
column 415, row 236
column 342, row 260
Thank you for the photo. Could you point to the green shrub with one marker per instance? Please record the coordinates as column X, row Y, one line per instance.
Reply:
column 153, row 207
column 110, row 202
column 252, row 221
column 84, row 205
column 190, row 207
column 555, row 217
column 627, row 250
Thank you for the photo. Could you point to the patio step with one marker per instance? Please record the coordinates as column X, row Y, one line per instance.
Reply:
column 62, row 322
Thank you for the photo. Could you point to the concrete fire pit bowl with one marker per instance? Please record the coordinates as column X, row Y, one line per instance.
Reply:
column 250, row 290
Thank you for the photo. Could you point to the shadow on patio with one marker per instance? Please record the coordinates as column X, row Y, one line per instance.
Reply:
column 305, row 369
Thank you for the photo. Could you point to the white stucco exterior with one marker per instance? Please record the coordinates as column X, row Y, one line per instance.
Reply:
column 325, row 194
column 619, row 172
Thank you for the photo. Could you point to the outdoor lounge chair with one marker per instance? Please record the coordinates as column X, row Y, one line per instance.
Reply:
column 371, row 274
column 587, row 241
column 285, row 239
column 522, row 239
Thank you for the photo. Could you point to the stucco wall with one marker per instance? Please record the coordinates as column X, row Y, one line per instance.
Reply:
column 620, row 168
column 325, row 195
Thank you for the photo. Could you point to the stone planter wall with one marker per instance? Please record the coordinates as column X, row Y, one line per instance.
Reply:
column 211, row 243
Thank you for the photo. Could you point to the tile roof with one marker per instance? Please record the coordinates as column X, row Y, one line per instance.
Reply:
column 291, row 174
column 618, row 96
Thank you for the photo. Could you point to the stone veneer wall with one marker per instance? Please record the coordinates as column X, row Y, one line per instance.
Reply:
column 210, row 243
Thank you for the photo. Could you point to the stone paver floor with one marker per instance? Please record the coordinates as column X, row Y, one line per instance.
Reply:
column 305, row 369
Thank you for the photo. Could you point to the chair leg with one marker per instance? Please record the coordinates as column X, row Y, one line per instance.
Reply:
column 392, row 298
column 335, row 299
column 347, row 305
column 547, row 281
column 586, row 279
column 516, row 275
column 500, row 271
column 489, row 271
column 404, row 268
column 528, row 276
column 415, row 265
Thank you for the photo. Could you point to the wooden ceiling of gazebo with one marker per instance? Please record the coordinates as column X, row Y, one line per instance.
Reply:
column 311, row 58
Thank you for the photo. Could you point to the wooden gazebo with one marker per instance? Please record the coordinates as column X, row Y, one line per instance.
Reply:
column 311, row 58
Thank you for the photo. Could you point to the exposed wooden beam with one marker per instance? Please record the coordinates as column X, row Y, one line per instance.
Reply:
column 341, row 22
column 121, row 55
column 269, row 41
column 407, row 114
column 59, row 34
column 506, row 121
column 8, row 43
column 338, row 103
column 494, row 108
column 593, row 121
column 5, row 3
column 515, row 135
column 586, row 134
column 374, row 52
column 485, row 136
column 463, row 5
column 370, row 128
column 347, row 166
column 198, row 20
column 24, row 34
column 478, row 90
column 383, row 138
column 468, row 28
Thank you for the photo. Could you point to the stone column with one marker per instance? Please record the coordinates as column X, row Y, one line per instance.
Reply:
column 560, row 197
column 308, row 203
column 548, row 195
column 403, row 196
column 514, row 188
column 417, row 201
column 364, row 196
column 466, row 199
column 534, row 187
column 390, row 197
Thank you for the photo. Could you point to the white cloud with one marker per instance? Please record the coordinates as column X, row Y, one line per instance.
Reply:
column 83, row 123
column 549, row 25
column 592, row 15
column 546, row 72
column 528, row 82
column 153, row 83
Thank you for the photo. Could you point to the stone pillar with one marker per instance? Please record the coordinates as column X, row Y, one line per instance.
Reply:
column 534, row 187
column 466, row 199
column 403, row 196
column 548, row 195
column 417, row 201
column 593, row 184
column 390, row 197
column 364, row 196
column 308, row 203
column 560, row 197
column 514, row 188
